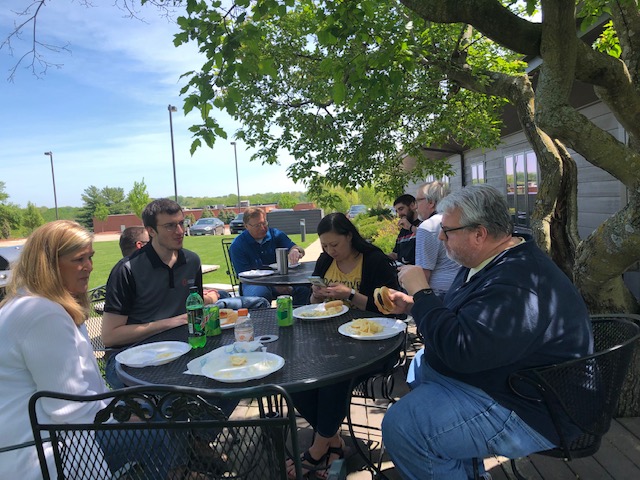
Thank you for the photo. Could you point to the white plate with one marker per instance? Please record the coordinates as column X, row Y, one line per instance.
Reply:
column 391, row 328
column 259, row 365
column 255, row 273
column 227, row 326
column 152, row 354
column 318, row 307
column 291, row 265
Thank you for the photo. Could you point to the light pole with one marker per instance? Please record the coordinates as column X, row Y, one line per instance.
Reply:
column 172, row 109
column 53, row 178
column 235, row 153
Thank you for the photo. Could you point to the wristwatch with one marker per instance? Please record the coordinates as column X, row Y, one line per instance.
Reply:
column 422, row 293
column 352, row 294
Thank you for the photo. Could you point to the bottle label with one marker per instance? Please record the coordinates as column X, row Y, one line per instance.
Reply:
column 243, row 330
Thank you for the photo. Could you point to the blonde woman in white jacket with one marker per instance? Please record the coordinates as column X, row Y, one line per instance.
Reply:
column 44, row 343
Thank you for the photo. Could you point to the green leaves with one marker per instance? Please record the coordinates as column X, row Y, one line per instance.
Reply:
column 343, row 87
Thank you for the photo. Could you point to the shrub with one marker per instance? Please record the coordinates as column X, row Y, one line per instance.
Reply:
column 386, row 236
column 381, row 213
column 382, row 233
column 226, row 215
column 367, row 226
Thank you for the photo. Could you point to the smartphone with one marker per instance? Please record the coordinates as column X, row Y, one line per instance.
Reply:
column 318, row 281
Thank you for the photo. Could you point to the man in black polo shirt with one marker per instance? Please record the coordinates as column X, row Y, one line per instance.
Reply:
column 408, row 221
column 146, row 292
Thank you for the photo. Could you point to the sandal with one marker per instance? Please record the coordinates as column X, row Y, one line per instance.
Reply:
column 309, row 465
column 337, row 453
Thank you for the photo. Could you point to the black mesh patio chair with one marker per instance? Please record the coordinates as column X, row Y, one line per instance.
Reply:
column 585, row 390
column 233, row 276
column 94, row 325
column 165, row 432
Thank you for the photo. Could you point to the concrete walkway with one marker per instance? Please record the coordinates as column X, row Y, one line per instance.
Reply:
column 312, row 252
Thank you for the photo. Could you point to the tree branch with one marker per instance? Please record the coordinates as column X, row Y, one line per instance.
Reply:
column 488, row 16
column 29, row 16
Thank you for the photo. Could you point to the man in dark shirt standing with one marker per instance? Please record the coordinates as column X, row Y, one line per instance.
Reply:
column 408, row 221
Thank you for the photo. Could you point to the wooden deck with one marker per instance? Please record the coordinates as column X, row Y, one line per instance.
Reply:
column 617, row 459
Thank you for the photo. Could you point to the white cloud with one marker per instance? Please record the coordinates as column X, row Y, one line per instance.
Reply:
column 104, row 113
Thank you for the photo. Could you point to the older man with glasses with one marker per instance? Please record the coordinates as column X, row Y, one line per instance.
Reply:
column 439, row 270
column 256, row 247
column 509, row 308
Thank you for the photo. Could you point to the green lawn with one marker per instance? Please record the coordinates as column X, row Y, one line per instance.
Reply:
column 208, row 247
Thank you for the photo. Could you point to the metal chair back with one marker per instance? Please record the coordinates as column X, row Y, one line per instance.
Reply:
column 584, row 391
column 153, row 432
column 94, row 325
column 231, row 272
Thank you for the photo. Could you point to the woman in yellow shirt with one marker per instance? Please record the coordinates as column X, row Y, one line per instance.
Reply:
column 352, row 269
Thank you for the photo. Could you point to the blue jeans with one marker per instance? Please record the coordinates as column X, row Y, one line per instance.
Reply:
column 252, row 303
column 116, row 448
column 436, row 430
column 300, row 294
column 110, row 372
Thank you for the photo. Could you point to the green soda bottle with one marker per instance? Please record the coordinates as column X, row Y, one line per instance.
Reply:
column 195, row 311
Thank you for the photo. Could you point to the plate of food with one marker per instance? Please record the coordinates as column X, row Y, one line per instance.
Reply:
column 378, row 328
column 228, row 318
column 320, row 311
column 242, row 367
column 255, row 273
column 152, row 354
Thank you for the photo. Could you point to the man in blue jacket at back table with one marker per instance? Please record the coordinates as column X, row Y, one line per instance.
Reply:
column 509, row 308
column 256, row 247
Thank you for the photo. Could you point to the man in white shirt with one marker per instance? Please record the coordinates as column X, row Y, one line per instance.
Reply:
column 438, row 268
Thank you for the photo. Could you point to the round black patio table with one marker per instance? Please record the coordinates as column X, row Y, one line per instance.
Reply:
column 296, row 276
column 315, row 354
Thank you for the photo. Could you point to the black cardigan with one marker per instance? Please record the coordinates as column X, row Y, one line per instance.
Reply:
column 377, row 270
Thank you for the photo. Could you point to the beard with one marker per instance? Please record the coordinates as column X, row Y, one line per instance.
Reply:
column 460, row 258
column 411, row 216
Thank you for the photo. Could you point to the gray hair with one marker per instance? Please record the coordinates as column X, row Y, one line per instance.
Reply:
column 480, row 204
column 434, row 191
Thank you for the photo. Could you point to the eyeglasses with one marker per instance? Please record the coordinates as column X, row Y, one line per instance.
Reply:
column 259, row 225
column 172, row 227
column 447, row 230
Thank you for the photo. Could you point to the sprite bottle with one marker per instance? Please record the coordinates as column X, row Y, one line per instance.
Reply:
column 195, row 312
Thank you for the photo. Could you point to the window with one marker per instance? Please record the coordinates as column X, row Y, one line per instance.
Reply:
column 477, row 173
column 522, row 186
column 432, row 178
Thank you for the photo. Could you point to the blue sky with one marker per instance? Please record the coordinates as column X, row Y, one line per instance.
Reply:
column 104, row 113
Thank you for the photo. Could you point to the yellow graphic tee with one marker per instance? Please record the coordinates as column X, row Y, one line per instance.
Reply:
column 351, row 279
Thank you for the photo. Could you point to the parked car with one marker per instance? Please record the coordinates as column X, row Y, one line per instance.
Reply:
column 207, row 226
column 237, row 224
column 8, row 256
column 356, row 210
